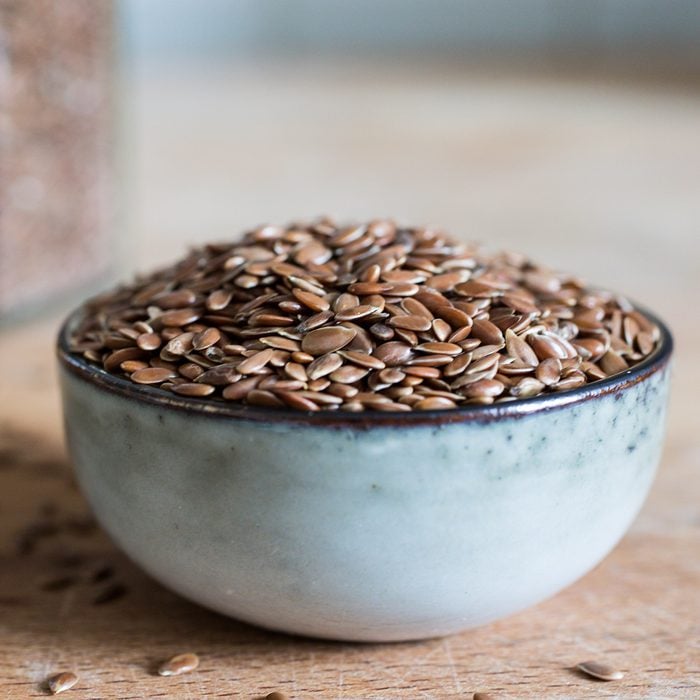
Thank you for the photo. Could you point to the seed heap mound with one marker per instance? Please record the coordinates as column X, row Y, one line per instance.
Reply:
column 365, row 317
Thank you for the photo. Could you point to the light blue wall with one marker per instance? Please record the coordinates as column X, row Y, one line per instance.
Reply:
column 173, row 28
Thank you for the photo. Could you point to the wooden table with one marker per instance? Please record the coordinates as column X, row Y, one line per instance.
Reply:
column 596, row 176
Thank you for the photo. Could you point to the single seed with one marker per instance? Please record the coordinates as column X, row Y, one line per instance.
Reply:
column 393, row 353
column 152, row 375
column 484, row 388
column 434, row 403
column 206, row 338
column 255, row 362
column 195, row 390
column 355, row 312
column 294, row 400
column 323, row 340
column 362, row 359
column 133, row 365
column 239, row 390
column 549, row 371
column 311, row 300
column 487, row 332
column 276, row 696
column 148, row 341
column 520, row 350
column 599, row 670
column 181, row 663
column 179, row 317
column 324, row 365
column 411, row 323
column 61, row 682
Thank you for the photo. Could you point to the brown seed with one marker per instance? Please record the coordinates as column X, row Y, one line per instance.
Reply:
column 348, row 374
column 440, row 348
column 206, row 338
column 345, row 301
column 177, row 347
column 393, row 353
column 297, row 401
column 612, row 363
column 311, row 300
column 61, row 682
column 411, row 323
column 195, row 390
column 441, row 329
column 179, row 317
column 416, row 308
column 276, row 696
column 219, row 300
column 148, row 341
column 324, row 340
column 363, row 288
column 430, row 360
column 355, row 312
column 133, row 365
column 258, row 397
column 526, row 387
column 487, row 332
column 599, row 670
column 483, row 388
column 434, row 403
column 458, row 365
column 239, row 390
column 484, row 696
column 176, row 299
column 280, row 343
column 520, row 350
column 323, row 365
column 152, row 375
column 255, row 362
column 455, row 317
column 362, row 359
column 114, row 361
column 391, row 375
column 181, row 663
column 222, row 375
column 549, row 371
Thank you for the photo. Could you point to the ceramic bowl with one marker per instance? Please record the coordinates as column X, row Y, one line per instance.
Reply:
column 369, row 526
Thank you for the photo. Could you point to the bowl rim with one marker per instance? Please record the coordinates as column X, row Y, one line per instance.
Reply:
column 518, row 408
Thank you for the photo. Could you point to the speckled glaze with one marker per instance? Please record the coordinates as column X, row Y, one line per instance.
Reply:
column 372, row 527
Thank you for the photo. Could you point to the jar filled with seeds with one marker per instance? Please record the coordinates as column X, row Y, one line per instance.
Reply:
column 55, row 178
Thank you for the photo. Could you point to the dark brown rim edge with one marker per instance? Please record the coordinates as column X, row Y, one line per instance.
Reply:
column 518, row 408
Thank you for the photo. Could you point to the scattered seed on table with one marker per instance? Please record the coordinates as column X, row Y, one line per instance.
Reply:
column 178, row 664
column 599, row 670
column 61, row 682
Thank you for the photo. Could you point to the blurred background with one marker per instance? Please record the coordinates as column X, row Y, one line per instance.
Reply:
column 130, row 129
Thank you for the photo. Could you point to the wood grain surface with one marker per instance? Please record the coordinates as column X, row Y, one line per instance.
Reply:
column 609, row 188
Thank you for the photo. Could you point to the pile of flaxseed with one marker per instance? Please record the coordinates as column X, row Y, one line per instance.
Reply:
column 365, row 317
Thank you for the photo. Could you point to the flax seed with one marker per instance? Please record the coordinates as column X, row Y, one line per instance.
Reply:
column 599, row 670
column 179, row 664
column 365, row 317
column 61, row 682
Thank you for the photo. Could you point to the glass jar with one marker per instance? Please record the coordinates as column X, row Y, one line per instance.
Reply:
column 55, row 149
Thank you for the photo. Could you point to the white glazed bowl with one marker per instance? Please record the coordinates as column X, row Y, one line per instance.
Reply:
column 370, row 526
